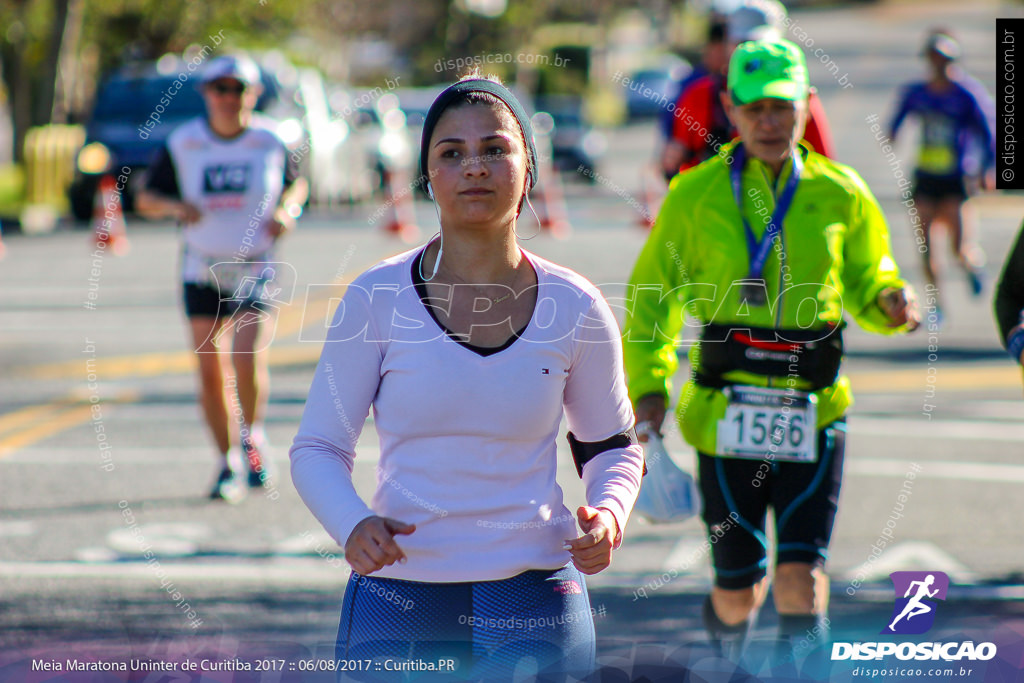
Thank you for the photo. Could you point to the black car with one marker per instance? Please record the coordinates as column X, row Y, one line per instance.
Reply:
column 575, row 146
column 117, row 135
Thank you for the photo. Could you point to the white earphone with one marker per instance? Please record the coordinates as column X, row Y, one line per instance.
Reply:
column 440, row 247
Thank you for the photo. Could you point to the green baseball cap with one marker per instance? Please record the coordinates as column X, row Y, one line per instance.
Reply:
column 767, row 68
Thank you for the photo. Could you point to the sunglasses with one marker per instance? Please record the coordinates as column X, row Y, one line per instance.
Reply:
column 224, row 89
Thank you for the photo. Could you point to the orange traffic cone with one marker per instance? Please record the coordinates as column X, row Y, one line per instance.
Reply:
column 401, row 216
column 108, row 224
column 553, row 214
column 648, row 210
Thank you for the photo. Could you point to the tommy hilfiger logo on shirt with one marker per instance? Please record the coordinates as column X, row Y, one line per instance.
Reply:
column 547, row 371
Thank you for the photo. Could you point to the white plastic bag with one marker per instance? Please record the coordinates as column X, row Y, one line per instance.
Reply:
column 667, row 493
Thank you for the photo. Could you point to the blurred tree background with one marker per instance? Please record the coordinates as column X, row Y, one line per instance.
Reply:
column 53, row 52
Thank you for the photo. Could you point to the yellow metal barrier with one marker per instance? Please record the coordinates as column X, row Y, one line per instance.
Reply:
column 50, row 157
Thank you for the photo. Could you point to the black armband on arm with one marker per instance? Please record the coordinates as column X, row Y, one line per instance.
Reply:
column 585, row 451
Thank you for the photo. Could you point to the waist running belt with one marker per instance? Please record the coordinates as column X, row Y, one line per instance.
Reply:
column 814, row 355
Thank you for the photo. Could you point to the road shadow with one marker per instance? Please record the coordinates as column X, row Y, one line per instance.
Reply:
column 657, row 639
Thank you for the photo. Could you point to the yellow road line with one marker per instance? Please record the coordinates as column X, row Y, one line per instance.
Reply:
column 118, row 367
column 292, row 320
column 945, row 379
column 26, row 415
column 34, row 423
column 960, row 378
column 295, row 354
column 60, row 420
column 160, row 364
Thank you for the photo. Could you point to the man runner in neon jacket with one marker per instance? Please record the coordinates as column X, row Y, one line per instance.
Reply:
column 765, row 406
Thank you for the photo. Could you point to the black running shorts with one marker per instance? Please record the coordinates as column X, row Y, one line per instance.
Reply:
column 937, row 188
column 207, row 300
column 804, row 497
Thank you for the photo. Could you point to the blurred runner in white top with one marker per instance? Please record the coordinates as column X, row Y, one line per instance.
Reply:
column 227, row 178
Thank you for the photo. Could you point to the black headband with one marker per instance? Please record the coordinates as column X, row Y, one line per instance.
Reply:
column 482, row 85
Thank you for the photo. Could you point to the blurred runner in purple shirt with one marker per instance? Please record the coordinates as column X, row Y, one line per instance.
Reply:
column 955, row 132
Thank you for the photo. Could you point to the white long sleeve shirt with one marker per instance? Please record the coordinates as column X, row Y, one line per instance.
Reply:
column 468, row 442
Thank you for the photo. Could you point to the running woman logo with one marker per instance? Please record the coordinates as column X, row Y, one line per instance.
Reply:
column 914, row 612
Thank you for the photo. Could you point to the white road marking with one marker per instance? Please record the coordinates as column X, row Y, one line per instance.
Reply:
column 993, row 409
column 874, row 593
column 192, row 453
column 971, row 430
column 910, row 556
column 958, row 471
column 290, row 571
column 306, row 543
column 165, row 540
column 86, row 455
column 11, row 529
column 92, row 554
column 317, row 572
column 691, row 554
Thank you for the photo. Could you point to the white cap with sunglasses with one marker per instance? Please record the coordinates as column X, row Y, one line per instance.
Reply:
column 241, row 69
column 756, row 20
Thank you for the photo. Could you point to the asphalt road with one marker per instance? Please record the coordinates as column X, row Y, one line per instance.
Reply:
column 263, row 579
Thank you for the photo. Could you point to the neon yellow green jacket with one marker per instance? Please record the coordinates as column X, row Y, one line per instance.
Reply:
column 836, row 248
